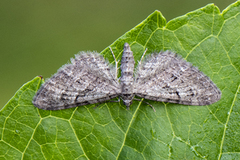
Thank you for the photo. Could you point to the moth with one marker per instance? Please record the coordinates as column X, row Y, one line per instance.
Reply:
column 89, row 79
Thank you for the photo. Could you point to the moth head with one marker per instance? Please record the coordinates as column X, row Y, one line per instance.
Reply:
column 127, row 103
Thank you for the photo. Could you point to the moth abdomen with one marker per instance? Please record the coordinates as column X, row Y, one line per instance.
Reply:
column 127, row 80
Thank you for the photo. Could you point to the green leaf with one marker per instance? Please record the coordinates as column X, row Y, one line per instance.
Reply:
column 206, row 38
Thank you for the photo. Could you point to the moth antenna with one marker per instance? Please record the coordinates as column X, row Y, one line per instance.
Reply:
column 143, row 55
column 146, row 103
column 116, row 63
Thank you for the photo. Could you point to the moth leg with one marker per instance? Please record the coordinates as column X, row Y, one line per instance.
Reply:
column 106, row 102
column 146, row 103
column 143, row 56
column 116, row 63
column 115, row 101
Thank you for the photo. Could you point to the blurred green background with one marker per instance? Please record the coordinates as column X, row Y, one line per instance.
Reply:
column 38, row 37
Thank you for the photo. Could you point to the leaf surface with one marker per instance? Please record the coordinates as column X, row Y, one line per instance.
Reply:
column 206, row 38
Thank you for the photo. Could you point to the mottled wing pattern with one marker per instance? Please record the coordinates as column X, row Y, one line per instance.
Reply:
column 87, row 80
column 167, row 77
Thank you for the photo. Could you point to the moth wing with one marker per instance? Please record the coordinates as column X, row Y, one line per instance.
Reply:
column 87, row 80
column 167, row 77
